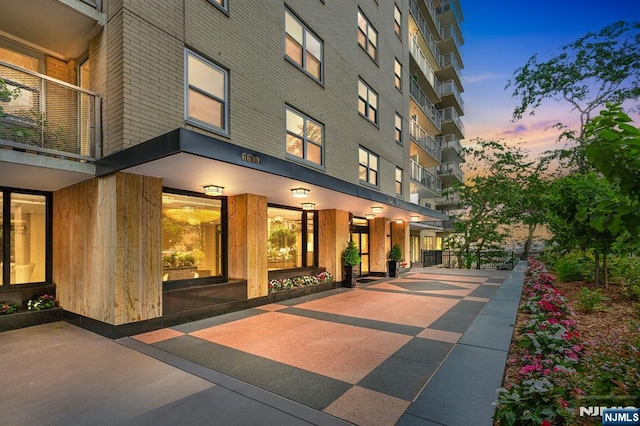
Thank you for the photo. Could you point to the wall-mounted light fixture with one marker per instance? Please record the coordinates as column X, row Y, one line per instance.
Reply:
column 399, row 221
column 300, row 192
column 370, row 216
column 376, row 209
column 415, row 218
column 308, row 206
column 213, row 189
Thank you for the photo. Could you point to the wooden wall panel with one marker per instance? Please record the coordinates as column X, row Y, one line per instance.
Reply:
column 333, row 235
column 378, row 245
column 400, row 235
column 247, row 242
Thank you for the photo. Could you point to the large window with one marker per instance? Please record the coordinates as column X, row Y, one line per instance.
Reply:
column 367, row 36
column 367, row 102
column 368, row 167
column 302, row 47
column 192, row 237
column 398, row 124
column 207, row 94
column 398, row 181
column 291, row 238
column 24, row 236
column 397, row 20
column 305, row 137
column 397, row 69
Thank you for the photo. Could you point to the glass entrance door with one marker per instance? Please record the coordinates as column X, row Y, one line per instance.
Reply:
column 360, row 235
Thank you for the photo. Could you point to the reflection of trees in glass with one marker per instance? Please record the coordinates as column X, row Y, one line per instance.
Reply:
column 282, row 241
column 172, row 233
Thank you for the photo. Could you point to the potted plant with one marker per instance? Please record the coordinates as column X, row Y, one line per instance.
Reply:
column 350, row 261
column 395, row 256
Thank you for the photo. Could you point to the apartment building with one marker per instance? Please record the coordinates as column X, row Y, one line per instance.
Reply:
column 150, row 147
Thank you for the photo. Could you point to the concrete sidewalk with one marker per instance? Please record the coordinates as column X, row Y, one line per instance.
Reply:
column 428, row 348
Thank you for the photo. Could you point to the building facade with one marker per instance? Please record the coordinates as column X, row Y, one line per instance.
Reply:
column 149, row 146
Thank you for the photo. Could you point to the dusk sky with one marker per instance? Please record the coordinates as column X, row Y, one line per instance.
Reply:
column 500, row 36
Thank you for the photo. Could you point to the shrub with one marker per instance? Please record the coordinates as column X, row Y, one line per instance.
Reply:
column 590, row 300
column 573, row 267
column 626, row 270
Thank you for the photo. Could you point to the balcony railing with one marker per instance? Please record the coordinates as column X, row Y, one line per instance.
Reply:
column 46, row 115
column 424, row 29
column 449, row 87
column 426, row 141
column 450, row 114
column 423, row 64
column 429, row 181
column 451, row 169
column 449, row 32
column 451, row 5
column 449, row 200
column 449, row 142
column 450, row 60
column 427, row 107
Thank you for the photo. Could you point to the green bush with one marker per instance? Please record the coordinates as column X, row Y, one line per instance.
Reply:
column 574, row 267
column 590, row 300
column 626, row 271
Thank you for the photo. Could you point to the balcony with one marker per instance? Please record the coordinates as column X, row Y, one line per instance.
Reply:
column 427, row 108
column 421, row 24
column 61, row 27
column 451, row 96
column 430, row 185
column 451, row 148
column 423, row 64
column 47, row 116
column 451, row 41
column 450, row 69
column 450, row 172
column 425, row 141
column 449, row 13
column 451, row 201
column 451, row 122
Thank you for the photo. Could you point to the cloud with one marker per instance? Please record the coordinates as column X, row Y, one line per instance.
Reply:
column 482, row 77
column 518, row 130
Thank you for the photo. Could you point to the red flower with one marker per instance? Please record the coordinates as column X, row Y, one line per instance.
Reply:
column 546, row 423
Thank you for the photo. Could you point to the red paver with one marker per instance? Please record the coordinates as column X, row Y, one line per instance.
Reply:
column 367, row 407
column 157, row 335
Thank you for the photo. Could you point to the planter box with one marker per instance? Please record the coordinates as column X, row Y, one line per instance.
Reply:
column 30, row 318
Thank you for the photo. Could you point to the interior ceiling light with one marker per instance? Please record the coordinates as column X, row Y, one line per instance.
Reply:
column 308, row 206
column 213, row 189
column 300, row 192
column 376, row 209
column 370, row 216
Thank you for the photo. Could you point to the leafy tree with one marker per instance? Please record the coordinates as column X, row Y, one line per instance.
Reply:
column 593, row 70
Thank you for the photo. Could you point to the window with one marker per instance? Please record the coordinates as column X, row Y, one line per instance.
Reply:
column 367, row 36
column 291, row 238
column 192, row 232
column 398, row 181
column 24, row 237
column 305, row 137
column 302, row 47
column 207, row 94
column 398, row 129
column 397, row 17
column 222, row 4
column 367, row 102
column 397, row 69
column 368, row 167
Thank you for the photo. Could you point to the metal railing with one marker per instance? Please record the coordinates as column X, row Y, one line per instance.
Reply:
column 414, row 9
column 451, row 169
column 428, row 180
column 423, row 64
column 426, row 142
column 451, row 5
column 450, row 60
column 49, row 116
column 449, row 87
column 451, row 199
column 449, row 142
column 427, row 107
column 449, row 32
column 450, row 114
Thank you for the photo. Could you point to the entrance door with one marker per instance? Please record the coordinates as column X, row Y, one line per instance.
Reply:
column 360, row 235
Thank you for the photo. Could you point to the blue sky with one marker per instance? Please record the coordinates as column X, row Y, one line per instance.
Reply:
column 501, row 36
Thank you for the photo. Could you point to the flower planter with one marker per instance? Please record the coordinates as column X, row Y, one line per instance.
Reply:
column 29, row 318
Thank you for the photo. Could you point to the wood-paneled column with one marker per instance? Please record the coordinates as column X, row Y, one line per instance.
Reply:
column 378, row 246
column 400, row 235
column 247, row 242
column 333, row 235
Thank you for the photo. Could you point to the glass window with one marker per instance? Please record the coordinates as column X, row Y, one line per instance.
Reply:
column 302, row 46
column 191, row 237
column 207, row 94
column 367, row 102
column 368, row 171
column 291, row 238
column 398, row 181
column 25, row 231
column 397, row 69
column 305, row 137
column 222, row 4
column 398, row 124
column 397, row 17
column 367, row 36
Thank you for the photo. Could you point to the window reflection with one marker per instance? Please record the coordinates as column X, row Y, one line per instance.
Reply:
column 27, row 239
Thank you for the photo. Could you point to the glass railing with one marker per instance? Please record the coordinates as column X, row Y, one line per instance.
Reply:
column 450, row 60
column 449, row 32
column 46, row 115
column 449, row 142
column 449, row 87
column 450, row 114
column 428, row 180
column 427, row 107
column 424, row 29
column 423, row 64
column 450, row 199
column 426, row 141
column 451, row 169
column 451, row 5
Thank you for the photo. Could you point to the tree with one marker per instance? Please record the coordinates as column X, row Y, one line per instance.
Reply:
column 595, row 69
